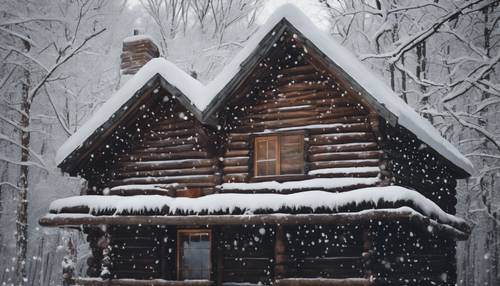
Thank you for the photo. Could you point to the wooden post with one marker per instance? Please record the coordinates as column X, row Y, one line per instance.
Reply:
column 219, row 256
column 367, row 251
column 280, row 256
column 68, row 264
column 106, row 262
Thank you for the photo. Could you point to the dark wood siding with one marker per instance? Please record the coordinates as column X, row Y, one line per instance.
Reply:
column 415, row 165
column 247, row 254
column 292, row 95
column 325, row 251
column 164, row 145
column 404, row 255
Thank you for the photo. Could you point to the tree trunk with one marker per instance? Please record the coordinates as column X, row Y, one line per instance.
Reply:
column 22, row 203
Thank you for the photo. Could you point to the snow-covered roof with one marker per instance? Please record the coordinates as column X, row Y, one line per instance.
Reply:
column 201, row 96
column 255, row 203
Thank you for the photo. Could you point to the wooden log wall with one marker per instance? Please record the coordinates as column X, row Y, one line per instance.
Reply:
column 143, row 252
column 415, row 165
column 294, row 94
column 247, row 254
column 325, row 251
column 405, row 255
column 95, row 239
column 165, row 145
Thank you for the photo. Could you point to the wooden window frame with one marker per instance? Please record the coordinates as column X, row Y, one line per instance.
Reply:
column 179, row 252
column 278, row 151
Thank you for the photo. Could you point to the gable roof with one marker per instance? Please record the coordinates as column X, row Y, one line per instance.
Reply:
column 203, row 100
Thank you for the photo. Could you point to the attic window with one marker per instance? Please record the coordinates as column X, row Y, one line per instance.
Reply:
column 279, row 155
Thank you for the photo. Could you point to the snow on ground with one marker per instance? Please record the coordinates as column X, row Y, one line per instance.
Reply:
column 201, row 95
column 249, row 203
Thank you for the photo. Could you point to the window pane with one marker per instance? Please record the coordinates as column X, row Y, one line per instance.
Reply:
column 261, row 150
column 271, row 149
column 194, row 256
column 271, row 168
column 292, row 154
column 266, row 156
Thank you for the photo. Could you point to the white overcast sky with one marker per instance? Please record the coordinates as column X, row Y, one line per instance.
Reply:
column 310, row 7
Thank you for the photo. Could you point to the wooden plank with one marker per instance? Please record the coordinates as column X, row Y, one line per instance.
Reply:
column 166, row 172
column 150, row 282
column 323, row 282
column 458, row 231
column 349, row 147
column 335, row 156
column 323, row 139
column 133, row 157
column 172, row 164
column 343, row 164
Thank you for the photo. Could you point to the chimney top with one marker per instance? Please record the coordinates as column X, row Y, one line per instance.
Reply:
column 136, row 52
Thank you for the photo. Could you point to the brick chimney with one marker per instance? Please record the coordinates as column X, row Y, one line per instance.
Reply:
column 137, row 51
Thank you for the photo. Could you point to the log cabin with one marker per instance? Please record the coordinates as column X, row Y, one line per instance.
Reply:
column 295, row 166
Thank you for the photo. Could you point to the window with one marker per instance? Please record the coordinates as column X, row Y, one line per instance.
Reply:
column 193, row 254
column 279, row 155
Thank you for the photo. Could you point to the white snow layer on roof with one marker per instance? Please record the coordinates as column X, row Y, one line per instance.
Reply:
column 252, row 202
column 137, row 38
column 201, row 95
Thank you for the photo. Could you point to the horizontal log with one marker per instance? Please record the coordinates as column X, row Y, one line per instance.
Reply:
column 302, row 87
column 238, row 145
column 235, row 169
column 244, row 276
column 236, row 153
column 354, row 127
column 347, row 175
column 170, row 124
column 170, row 142
column 323, row 282
column 368, row 146
column 305, row 69
column 284, row 114
column 134, row 192
column 204, row 180
column 337, row 138
column 346, row 112
column 333, row 156
column 238, row 136
column 167, row 149
column 162, row 134
column 366, row 216
column 343, row 119
column 343, row 164
column 235, row 178
column 301, row 107
column 163, row 156
column 259, row 263
column 313, row 76
column 312, row 99
column 236, row 161
column 278, row 123
column 166, row 172
column 130, row 282
column 169, row 164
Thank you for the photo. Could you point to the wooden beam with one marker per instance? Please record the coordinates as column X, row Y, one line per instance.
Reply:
column 280, row 256
column 459, row 232
column 134, row 282
column 322, row 282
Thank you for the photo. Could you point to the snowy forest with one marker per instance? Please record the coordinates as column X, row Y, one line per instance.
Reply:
column 60, row 61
